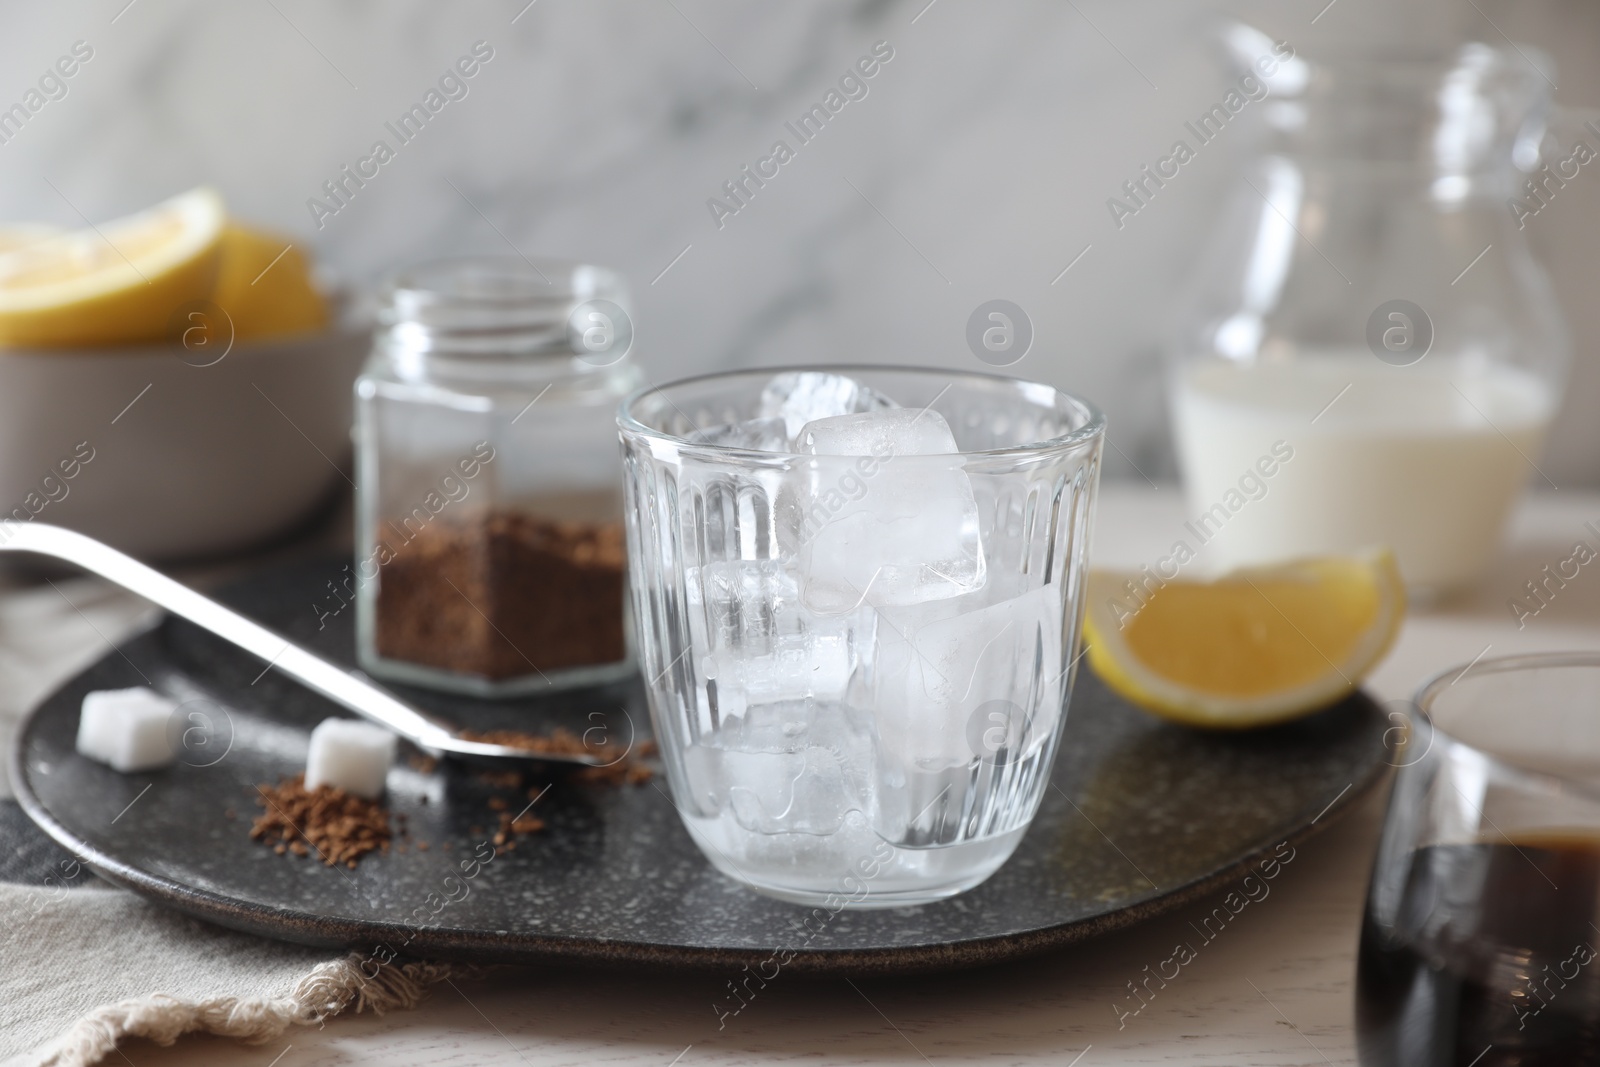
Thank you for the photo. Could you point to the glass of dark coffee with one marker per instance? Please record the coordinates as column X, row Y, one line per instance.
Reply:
column 1481, row 942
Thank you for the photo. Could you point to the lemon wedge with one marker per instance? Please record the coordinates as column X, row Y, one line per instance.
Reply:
column 15, row 236
column 120, row 282
column 1254, row 647
column 265, row 285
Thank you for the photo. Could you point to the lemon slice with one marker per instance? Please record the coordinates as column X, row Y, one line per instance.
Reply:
column 118, row 283
column 1254, row 647
column 265, row 285
column 15, row 236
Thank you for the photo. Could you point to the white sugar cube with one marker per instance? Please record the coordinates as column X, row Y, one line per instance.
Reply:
column 126, row 728
column 349, row 755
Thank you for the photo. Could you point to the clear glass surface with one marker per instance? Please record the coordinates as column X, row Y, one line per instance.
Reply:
column 1479, row 942
column 1370, row 302
column 836, row 730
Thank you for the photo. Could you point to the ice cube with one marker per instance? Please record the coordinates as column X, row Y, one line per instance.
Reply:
column 760, row 644
column 890, row 432
column 884, row 515
column 799, row 397
column 960, row 702
column 938, row 684
column 349, row 755
column 798, row 667
column 761, row 787
column 763, row 435
column 126, row 728
column 789, row 767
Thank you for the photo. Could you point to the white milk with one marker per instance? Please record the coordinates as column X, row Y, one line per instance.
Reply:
column 1426, row 459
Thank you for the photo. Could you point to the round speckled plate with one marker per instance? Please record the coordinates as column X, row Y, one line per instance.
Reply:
column 1141, row 817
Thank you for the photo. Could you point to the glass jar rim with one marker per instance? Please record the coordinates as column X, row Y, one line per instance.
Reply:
column 1092, row 426
column 521, row 280
column 474, row 307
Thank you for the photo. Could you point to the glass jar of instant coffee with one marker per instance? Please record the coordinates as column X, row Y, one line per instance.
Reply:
column 489, row 550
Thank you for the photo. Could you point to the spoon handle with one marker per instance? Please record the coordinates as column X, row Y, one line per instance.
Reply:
column 333, row 682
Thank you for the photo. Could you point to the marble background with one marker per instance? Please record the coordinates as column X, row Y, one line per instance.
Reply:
column 977, row 166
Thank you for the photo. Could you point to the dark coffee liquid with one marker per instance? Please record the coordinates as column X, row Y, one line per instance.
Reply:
column 1493, row 959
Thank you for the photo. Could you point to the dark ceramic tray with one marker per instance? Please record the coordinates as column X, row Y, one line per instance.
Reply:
column 1141, row 817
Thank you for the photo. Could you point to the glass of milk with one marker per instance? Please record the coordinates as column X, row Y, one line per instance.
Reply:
column 1371, row 356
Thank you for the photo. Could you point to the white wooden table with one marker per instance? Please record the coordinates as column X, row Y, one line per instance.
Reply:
column 1273, row 989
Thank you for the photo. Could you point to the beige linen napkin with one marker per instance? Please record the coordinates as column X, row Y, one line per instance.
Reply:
column 81, row 968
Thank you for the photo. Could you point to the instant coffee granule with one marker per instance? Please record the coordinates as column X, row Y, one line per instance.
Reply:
column 513, row 826
column 339, row 827
column 506, row 595
column 619, row 765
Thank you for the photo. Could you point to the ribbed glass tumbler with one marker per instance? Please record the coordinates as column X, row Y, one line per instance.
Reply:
column 858, row 664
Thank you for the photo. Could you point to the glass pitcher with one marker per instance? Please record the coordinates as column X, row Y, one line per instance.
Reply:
column 1369, row 325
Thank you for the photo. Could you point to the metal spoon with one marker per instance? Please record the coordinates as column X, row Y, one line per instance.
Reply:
column 346, row 688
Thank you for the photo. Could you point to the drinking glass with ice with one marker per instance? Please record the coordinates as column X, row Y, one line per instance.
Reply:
column 857, row 593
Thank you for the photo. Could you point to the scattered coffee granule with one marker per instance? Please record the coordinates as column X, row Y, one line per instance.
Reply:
column 340, row 827
column 627, row 770
column 484, row 597
column 501, row 779
column 560, row 742
column 513, row 827
column 619, row 765
column 622, row 772
column 422, row 763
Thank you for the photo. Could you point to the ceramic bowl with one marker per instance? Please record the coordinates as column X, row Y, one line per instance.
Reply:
column 166, row 453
